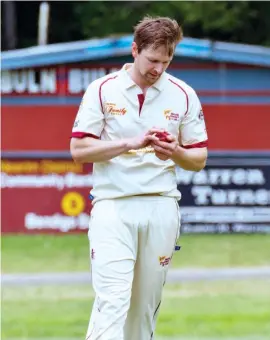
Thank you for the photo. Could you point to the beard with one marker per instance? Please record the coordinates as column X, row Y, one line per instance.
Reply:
column 150, row 78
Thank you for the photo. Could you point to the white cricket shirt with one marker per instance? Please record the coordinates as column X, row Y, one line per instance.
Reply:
column 112, row 108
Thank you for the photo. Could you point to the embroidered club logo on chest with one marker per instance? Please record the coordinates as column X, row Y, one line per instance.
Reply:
column 114, row 110
column 169, row 115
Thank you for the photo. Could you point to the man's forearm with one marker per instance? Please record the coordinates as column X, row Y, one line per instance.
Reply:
column 90, row 150
column 190, row 159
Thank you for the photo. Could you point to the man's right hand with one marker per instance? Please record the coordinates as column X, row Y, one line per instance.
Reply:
column 143, row 140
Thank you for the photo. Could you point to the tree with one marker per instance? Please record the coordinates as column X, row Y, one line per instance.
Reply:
column 10, row 29
column 231, row 21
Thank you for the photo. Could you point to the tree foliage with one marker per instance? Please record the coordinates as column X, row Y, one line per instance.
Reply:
column 232, row 21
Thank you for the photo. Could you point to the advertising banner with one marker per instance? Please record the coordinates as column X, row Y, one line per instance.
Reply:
column 52, row 195
column 45, row 196
column 224, row 199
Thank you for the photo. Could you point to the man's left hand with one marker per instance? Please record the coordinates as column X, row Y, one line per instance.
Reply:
column 164, row 149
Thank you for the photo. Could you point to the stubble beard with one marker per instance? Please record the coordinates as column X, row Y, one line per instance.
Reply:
column 149, row 79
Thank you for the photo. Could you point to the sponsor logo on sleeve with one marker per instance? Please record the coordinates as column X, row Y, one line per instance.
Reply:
column 201, row 115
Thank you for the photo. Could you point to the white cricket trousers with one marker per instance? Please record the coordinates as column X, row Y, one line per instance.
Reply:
column 132, row 241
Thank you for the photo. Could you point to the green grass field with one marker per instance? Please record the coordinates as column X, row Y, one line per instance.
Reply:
column 58, row 253
column 209, row 309
column 206, row 310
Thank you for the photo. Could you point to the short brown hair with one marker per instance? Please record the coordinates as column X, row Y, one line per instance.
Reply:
column 156, row 32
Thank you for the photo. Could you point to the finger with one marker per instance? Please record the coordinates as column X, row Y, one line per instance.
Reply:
column 171, row 138
column 162, row 150
column 155, row 130
column 152, row 138
column 161, row 156
column 164, row 145
column 151, row 132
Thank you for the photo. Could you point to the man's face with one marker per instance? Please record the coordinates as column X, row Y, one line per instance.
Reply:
column 151, row 63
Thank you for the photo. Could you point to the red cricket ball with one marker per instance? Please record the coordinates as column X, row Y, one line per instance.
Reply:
column 162, row 136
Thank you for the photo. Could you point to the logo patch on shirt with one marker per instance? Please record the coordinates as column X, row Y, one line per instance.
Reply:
column 201, row 116
column 76, row 123
column 169, row 115
column 164, row 261
column 113, row 110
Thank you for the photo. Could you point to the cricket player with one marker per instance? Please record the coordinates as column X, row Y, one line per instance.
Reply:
column 136, row 125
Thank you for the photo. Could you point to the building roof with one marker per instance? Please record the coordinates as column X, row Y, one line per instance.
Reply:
column 97, row 49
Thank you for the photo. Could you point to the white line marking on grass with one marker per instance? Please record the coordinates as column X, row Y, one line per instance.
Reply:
column 212, row 338
column 174, row 276
column 255, row 337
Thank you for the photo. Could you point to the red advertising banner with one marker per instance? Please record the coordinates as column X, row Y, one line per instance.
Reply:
column 41, row 196
column 52, row 196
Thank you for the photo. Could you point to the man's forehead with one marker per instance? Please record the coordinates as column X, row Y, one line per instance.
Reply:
column 159, row 53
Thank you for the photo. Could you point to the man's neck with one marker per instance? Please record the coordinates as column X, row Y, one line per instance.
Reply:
column 138, row 80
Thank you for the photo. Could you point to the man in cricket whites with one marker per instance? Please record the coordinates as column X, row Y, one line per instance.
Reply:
column 136, row 125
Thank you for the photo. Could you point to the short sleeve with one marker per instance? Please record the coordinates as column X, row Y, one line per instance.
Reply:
column 192, row 129
column 90, row 118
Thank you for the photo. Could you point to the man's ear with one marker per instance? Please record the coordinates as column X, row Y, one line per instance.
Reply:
column 134, row 50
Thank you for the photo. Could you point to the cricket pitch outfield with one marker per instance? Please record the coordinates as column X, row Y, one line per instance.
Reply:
column 201, row 310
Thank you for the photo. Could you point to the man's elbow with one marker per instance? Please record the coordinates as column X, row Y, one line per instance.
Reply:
column 76, row 158
column 76, row 155
column 75, row 151
column 200, row 166
column 201, row 163
column 196, row 167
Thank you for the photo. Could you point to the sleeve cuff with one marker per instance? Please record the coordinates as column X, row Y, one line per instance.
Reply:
column 203, row 144
column 82, row 135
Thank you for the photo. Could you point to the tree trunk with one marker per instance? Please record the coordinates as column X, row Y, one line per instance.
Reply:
column 10, row 29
